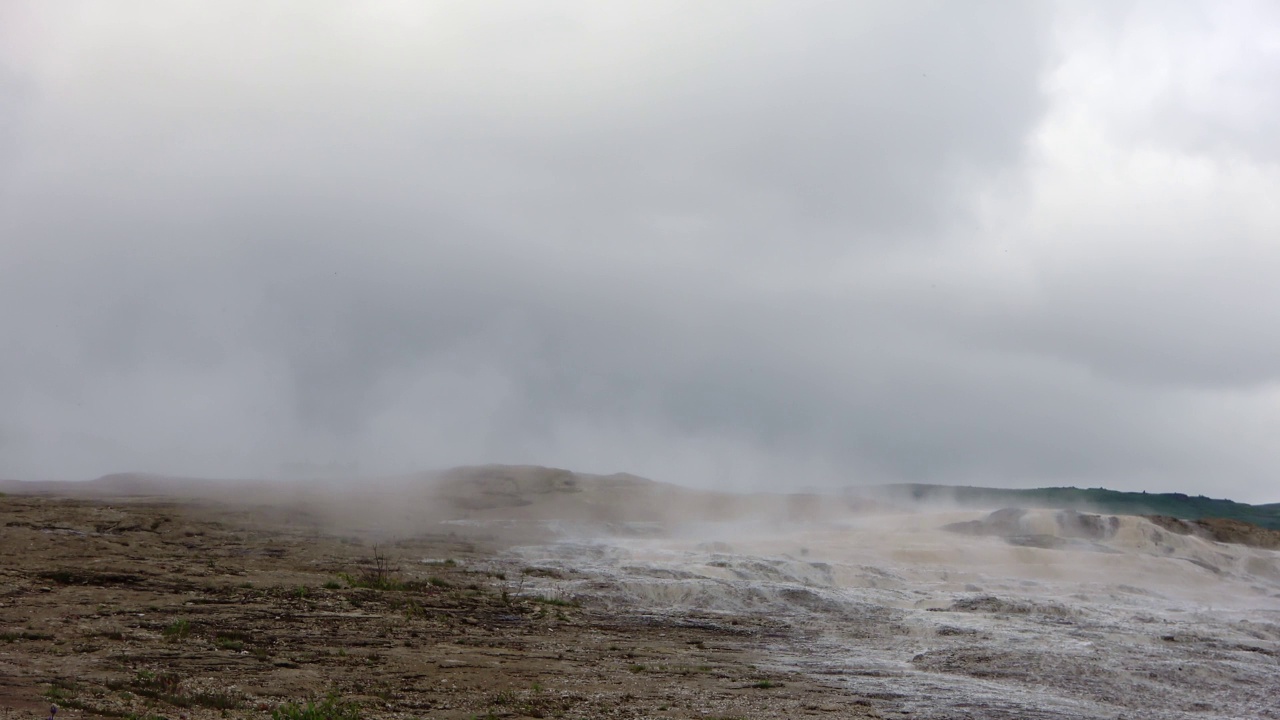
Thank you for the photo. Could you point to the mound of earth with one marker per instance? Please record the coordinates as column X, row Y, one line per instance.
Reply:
column 1200, row 543
column 1221, row 530
column 530, row 493
column 1067, row 529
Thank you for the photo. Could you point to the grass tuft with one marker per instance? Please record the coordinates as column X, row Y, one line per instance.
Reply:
column 222, row 642
column 331, row 708
column 177, row 630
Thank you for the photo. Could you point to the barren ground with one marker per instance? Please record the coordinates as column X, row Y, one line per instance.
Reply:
column 148, row 607
column 512, row 591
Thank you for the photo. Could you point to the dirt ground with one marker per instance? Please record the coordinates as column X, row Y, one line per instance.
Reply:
column 159, row 608
column 1222, row 530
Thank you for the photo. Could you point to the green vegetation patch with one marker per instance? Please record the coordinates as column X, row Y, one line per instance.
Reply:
column 331, row 708
column 1101, row 500
column 177, row 630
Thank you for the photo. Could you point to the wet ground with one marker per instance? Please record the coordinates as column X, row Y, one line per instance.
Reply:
column 1132, row 623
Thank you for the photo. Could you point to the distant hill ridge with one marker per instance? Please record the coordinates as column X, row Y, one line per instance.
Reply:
column 494, row 487
column 1100, row 500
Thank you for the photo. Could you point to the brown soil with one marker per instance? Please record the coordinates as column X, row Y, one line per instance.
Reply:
column 151, row 607
column 1222, row 530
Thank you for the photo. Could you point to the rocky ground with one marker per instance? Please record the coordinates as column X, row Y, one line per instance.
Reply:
column 511, row 592
column 159, row 608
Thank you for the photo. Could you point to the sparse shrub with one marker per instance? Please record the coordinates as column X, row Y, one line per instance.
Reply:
column 382, row 573
column 227, row 643
column 164, row 687
column 333, row 585
column 61, row 690
column 177, row 630
column 331, row 708
column 382, row 576
column 148, row 683
column 414, row 609
column 210, row 699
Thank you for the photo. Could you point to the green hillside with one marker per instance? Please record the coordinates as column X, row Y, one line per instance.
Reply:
column 1100, row 500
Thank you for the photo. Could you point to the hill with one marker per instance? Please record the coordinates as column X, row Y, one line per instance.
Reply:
column 531, row 493
column 1112, row 502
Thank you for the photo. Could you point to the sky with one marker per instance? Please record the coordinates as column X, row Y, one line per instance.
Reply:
column 741, row 244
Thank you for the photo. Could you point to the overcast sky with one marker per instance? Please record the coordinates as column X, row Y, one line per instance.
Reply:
column 750, row 244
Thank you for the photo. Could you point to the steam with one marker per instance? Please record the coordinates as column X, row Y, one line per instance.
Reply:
column 913, row 607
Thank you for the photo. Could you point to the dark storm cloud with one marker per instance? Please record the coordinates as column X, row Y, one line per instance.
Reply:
column 759, row 247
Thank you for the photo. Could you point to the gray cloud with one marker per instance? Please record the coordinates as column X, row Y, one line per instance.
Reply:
column 795, row 244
